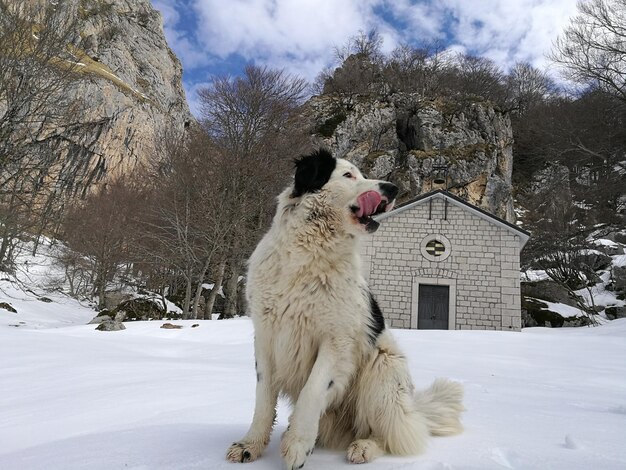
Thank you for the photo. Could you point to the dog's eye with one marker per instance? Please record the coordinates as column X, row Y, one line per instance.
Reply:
column 348, row 175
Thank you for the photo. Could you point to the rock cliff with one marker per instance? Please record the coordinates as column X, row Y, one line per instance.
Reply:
column 128, row 92
column 403, row 136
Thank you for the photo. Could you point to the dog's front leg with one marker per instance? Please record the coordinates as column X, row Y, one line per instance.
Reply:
column 324, row 382
column 250, row 447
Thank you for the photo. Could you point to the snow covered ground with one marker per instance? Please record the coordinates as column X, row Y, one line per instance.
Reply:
column 148, row 398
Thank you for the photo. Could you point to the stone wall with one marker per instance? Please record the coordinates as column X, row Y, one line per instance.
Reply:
column 482, row 267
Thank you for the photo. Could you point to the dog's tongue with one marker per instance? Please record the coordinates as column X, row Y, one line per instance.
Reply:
column 368, row 202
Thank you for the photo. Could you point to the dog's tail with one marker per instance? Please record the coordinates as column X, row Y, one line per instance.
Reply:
column 441, row 405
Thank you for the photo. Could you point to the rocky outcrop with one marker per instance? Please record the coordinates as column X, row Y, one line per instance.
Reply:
column 402, row 137
column 128, row 91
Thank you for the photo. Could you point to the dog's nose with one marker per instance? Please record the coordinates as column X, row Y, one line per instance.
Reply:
column 389, row 190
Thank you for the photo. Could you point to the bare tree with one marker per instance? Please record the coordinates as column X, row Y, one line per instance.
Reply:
column 559, row 245
column 365, row 44
column 477, row 76
column 193, row 212
column 100, row 228
column 416, row 69
column 565, row 262
column 527, row 87
column 37, row 64
column 592, row 49
column 360, row 68
column 247, row 119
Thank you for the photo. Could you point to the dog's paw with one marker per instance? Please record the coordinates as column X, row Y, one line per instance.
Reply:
column 241, row 452
column 295, row 450
column 363, row 451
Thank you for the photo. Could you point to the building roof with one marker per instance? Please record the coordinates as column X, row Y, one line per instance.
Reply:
column 463, row 204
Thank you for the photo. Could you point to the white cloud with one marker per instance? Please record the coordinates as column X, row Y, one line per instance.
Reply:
column 504, row 31
column 181, row 40
column 169, row 10
column 191, row 92
column 300, row 35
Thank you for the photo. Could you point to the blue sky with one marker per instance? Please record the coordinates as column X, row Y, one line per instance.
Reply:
column 220, row 36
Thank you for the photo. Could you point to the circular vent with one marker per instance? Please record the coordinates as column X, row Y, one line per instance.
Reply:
column 435, row 248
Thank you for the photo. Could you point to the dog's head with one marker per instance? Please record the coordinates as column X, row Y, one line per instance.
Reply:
column 343, row 187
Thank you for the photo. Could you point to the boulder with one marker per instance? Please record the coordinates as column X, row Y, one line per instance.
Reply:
column 8, row 307
column 547, row 290
column 139, row 309
column 620, row 237
column 595, row 259
column 120, row 316
column 618, row 277
column 537, row 313
column 110, row 325
column 609, row 247
column 170, row 326
column 612, row 313
column 113, row 299
column 99, row 319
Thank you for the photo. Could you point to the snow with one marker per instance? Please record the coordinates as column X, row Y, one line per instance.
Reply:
column 35, row 313
column 589, row 251
column 532, row 275
column 605, row 242
column 210, row 286
column 601, row 296
column 148, row 398
column 566, row 311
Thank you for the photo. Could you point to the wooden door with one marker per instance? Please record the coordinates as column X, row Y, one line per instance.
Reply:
column 433, row 307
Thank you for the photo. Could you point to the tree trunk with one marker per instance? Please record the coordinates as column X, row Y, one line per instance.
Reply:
column 4, row 246
column 230, row 309
column 210, row 302
column 100, row 285
column 187, row 302
column 196, row 298
column 36, row 244
column 163, row 299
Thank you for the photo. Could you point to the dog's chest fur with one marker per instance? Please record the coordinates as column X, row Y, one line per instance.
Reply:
column 304, row 286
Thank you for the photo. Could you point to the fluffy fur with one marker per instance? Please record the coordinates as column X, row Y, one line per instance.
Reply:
column 320, row 338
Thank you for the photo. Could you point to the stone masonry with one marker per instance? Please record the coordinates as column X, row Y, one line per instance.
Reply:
column 480, row 265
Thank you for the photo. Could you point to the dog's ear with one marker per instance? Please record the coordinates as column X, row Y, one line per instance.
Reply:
column 312, row 172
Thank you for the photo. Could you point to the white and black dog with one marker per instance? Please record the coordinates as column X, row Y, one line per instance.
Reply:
column 320, row 337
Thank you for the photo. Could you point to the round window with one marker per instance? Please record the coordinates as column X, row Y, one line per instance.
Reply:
column 435, row 247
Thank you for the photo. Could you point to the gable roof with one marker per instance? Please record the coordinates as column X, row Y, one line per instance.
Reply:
column 463, row 204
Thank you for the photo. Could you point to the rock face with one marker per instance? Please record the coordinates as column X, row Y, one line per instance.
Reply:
column 128, row 92
column 404, row 136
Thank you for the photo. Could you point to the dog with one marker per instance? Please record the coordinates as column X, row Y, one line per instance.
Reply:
column 320, row 337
